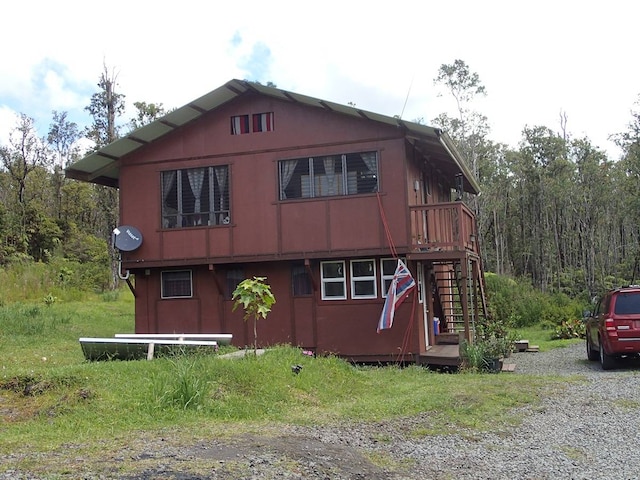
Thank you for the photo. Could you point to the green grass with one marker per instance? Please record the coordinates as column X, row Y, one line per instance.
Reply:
column 543, row 338
column 51, row 398
column 37, row 337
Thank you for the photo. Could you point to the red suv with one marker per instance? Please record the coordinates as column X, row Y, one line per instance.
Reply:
column 613, row 329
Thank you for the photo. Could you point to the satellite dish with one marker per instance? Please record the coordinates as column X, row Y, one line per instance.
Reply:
column 127, row 238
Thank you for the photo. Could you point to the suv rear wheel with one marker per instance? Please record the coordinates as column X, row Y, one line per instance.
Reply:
column 592, row 354
column 607, row 361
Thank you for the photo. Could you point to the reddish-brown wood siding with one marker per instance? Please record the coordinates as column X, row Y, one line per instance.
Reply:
column 265, row 234
column 261, row 225
column 348, row 328
column 344, row 327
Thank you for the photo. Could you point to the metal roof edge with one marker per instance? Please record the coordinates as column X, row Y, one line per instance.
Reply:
column 450, row 146
column 86, row 168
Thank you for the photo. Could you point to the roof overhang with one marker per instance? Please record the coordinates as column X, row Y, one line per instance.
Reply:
column 103, row 166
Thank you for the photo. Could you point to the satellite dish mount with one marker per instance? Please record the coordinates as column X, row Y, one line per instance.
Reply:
column 126, row 239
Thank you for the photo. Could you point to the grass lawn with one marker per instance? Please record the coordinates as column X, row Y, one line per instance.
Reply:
column 51, row 398
column 543, row 338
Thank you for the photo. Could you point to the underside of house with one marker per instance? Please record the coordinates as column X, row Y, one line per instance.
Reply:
column 322, row 200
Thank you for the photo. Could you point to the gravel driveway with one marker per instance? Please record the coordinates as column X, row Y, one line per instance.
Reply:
column 591, row 429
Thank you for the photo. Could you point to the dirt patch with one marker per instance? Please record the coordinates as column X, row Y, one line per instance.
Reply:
column 260, row 457
column 310, row 455
column 26, row 386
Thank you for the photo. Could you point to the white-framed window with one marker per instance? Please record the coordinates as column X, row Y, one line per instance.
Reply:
column 334, row 283
column 363, row 279
column 177, row 284
column 387, row 268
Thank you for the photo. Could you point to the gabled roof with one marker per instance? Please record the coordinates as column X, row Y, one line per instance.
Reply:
column 103, row 166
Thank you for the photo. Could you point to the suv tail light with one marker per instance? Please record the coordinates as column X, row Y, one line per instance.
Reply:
column 610, row 327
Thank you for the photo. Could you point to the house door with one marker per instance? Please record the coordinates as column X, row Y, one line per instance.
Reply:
column 422, row 300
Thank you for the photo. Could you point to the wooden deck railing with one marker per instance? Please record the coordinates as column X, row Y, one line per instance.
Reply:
column 443, row 227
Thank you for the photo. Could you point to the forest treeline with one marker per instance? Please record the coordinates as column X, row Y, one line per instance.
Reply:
column 555, row 210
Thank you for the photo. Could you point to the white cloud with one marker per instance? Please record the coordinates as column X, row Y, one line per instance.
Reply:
column 536, row 59
column 8, row 121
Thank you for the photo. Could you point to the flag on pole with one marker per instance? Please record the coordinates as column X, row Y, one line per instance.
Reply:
column 401, row 285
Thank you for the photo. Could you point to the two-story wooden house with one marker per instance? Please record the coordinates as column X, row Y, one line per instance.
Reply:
column 318, row 197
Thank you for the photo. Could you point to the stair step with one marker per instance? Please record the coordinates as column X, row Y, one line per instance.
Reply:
column 448, row 338
column 521, row 345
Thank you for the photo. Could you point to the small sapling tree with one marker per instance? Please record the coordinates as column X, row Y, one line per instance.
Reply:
column 256, row 299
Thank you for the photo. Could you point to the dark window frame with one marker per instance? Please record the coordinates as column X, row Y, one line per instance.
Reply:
column 301, row 282
column 262, row 122
column 321, row 176
column 195, row 197
column 176, row 285
column 233, row 278
column 240, row 124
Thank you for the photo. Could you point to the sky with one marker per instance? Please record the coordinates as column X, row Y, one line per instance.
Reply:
column 537, row 60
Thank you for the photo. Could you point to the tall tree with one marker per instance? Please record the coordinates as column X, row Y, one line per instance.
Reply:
column 62, row 139
column 25, row 153
column 146, row 113
column 470, row 128
column 27, row 161
column 629, row 142
column 106, row 106
column 495, row 204
column 592, row 196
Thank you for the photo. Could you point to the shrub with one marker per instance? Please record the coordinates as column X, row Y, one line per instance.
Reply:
column 516, row 304
column 482, row 355
column 573, row 328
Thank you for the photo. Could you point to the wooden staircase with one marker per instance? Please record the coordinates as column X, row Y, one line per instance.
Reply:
column 457, row 297
column 456, row 303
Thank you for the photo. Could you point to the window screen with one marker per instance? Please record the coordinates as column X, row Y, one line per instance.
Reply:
column 177, row 284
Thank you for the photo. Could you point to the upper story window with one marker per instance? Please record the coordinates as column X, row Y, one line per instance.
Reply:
column 263, row 122
column 239, row 124
column 257, row 122
column 343, row 174
column 195, row 196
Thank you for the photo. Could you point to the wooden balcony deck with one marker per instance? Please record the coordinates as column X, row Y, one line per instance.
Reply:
column 443, row 227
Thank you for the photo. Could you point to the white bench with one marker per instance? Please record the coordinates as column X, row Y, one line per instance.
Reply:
column 134, row 348
column 221, row 338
